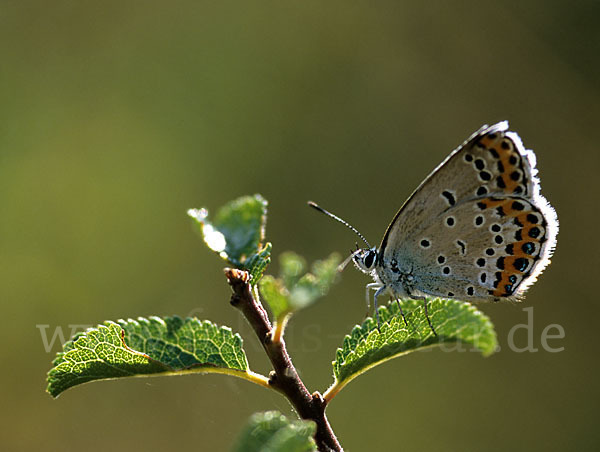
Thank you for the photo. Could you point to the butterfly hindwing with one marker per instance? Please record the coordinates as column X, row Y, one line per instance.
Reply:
column 484, row 249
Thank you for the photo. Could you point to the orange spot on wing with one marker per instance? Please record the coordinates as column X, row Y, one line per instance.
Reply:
column 505, row 288
column 514, row 264
column 504, row 157
column 487, row 142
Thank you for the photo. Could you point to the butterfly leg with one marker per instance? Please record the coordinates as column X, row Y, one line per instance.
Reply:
column 427, row 316
column 424, row 299
column 401, row 312
column 371, row 286
column 380, row 289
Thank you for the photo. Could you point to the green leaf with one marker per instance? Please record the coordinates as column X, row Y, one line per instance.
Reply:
column 312, row 286
column 237, row 233
column 455, row 322
column 292, row 267
column 295, row 290
column 276, row 294
column 168, row 345
column 257, row 263
column 273, row 432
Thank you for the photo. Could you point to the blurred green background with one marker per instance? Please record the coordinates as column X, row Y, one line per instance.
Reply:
column 116, row 117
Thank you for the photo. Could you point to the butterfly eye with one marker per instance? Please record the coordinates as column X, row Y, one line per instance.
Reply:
column 370, row 259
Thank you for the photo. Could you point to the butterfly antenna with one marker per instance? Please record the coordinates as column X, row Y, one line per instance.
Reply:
column 335, row 217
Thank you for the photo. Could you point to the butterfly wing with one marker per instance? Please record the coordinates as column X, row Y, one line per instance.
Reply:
column 477, row 228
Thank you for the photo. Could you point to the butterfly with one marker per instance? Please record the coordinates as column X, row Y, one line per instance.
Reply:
column 476, row 229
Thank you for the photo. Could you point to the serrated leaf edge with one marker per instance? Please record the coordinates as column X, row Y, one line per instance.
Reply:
column 369, row 323
column 200, row 368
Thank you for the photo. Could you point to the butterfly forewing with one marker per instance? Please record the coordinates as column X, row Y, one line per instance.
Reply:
column 491, row 161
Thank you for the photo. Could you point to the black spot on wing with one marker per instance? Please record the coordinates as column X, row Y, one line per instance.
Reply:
column 449, row 197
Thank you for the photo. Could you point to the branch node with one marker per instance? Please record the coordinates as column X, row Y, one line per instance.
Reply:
column 235, row 300
column 272, row 378
column 318, row 400
column 268, row 339
column 236, row 276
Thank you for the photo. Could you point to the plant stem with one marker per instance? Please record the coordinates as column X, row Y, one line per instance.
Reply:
column 284, row 376
column 279, row 326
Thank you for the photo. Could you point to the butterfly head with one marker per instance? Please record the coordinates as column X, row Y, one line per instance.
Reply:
column 365, row 259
